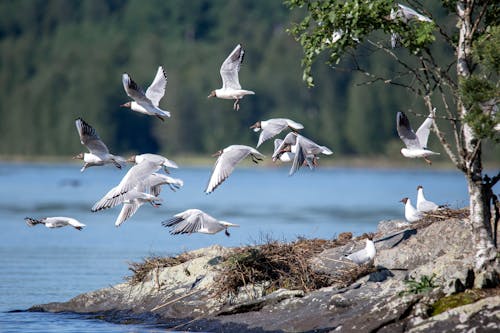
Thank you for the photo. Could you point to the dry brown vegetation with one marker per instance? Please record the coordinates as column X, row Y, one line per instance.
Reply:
column 142, row 269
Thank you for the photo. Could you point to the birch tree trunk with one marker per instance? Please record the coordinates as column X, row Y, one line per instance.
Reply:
column 479, row 191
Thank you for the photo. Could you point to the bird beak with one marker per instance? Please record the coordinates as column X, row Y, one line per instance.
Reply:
column 124, row 105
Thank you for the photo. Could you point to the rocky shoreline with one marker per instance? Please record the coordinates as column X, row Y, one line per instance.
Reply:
column 422, row 280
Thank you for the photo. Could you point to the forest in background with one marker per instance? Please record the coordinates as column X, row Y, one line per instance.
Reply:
column 60, row 60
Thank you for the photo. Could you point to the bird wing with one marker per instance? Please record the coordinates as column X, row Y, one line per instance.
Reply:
column 156, row 90
column 127, row 211
column 224, row 166
column 289, row 140
column 359, row 257
column 405, row 132
column 230, row 68
column 301, row 155
column 274, row 127
column 75, row 223
column 89, row 138
column 186, row 222
column 410, row 13
column 423, row 131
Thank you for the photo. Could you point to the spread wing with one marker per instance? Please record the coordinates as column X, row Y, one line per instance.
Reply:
column 187, row 222
column 405, row 132
column 224, row 166
column 424, row 131
column 89, row 138
column 230, row 68
column 274, row 127
column 156, row 90
column 127, row 211
column 133, row 90
column 289, row 140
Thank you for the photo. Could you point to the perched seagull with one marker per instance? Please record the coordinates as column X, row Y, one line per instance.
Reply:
column 405, row 14
column 416, row 142
column 273, row 127
column 424, row 205
column 364, row 255
column 166, row 163
column 411, row 213
column 195, row 220
column 147, row 103
column 303, row 150
column 132, row 200
column 55, row 222
column 98, row 152
column 133, row 178
column 231, row 88
column 227, row 160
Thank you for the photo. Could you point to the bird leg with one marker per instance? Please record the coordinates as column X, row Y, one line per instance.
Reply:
column 428, row 161
column 118, row 165
column 236, row 105
column 227, row 233
column 155, row 204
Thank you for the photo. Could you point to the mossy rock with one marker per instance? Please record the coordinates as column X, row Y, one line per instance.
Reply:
column 453, row 301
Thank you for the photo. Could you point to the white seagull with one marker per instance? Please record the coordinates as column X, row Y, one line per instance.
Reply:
column 364, row 255
column 424, row 205
column 303, row 150
column 273, row 127
column 55, row 222
column 195, row 220
column 153, row 183
column 231, row 88
column 147, row 103
column 132, row 200
column 166, row 163
column 134, row 178
column 405, row 14
column 98, row 152
column 227, row 160
column 411, row 213
column 416, row 142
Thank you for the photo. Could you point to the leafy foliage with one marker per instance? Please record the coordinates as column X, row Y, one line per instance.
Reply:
column 425, row 284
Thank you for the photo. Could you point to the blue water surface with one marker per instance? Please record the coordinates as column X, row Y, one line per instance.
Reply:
column 40, row 265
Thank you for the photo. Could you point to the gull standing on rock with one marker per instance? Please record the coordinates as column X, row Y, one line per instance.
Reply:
column 303, row 150
column 195, row 220
column 424, row 205
column 273, row 127
column 227, row 160
column 166, row 163
column 55, row 222
column 411, row 213
column 364, row 255
column 98, row 152
column 231, row 88
column 147, row 103
column 416, row 143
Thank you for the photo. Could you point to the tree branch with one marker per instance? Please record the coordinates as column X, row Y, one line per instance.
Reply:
column 475, row 26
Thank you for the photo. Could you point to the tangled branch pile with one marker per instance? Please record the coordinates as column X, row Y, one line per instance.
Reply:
column 276, row 265
column 142, row 269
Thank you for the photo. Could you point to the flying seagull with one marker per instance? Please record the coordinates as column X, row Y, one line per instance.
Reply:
column 405, row 14
column 424, row 205
column 227, row 160
column 132, row 200
column 231, row 88
column 147, row 103
column 411, row 213
column 195, row 220
column 134, row 178
column 166, row 163
column 55, row 222
column 98, row 152
column 273, row 127
column 416, row 142
column 303, row 150
column 364, row 255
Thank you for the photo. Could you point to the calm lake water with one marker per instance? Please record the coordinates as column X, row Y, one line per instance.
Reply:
column 39, row 265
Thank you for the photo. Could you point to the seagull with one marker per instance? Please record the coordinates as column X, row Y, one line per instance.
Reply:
column 303, row 150
column 273, row 127
column 166, row 163
column 98, row 152
column 132, row 179
column 152, row 184
column 55, row 222
column 405, row 14
column 286, row 156
column 364, row 255
column 411, row 214
column 231, row 88
column 132, row 200
column 195, row 220
column 416, row 143
column 227, row 160
column 424, row 205
column 147, row 103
